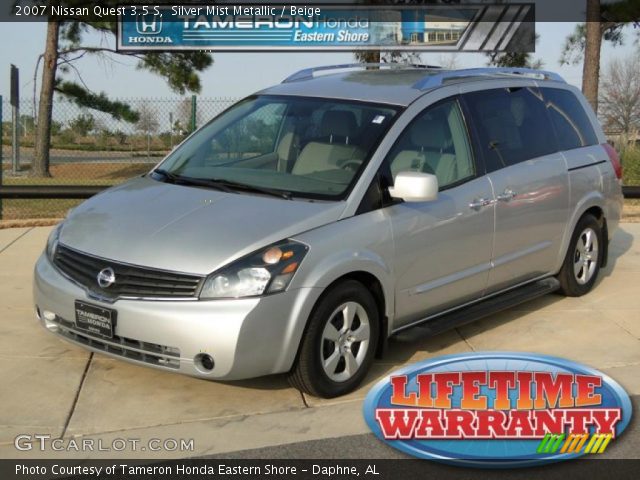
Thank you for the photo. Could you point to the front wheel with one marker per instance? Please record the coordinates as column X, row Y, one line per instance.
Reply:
column 339, row 345
column 582, row 263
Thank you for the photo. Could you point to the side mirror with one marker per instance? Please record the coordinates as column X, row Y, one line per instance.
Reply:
column 415, row 187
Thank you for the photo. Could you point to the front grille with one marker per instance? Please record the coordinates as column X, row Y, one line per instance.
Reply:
column 151, row 353
column 130, row 280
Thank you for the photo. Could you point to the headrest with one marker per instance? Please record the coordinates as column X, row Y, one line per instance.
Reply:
column 284, row 147
column 341, row 123
column 429, row 134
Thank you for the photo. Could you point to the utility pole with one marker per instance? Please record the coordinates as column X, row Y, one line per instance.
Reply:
column 15, row 118
column 171, row 129
column 193, row 113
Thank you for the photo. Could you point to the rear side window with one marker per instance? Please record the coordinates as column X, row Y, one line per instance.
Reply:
column 570, row 121
column 512, row 125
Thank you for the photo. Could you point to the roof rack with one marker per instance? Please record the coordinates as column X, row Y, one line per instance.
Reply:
column 308, row 73
column 438, row 79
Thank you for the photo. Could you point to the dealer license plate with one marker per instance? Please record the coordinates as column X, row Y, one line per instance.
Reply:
column 95, row 320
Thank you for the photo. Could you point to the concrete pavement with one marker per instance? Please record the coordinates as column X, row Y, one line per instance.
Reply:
column 51, row 387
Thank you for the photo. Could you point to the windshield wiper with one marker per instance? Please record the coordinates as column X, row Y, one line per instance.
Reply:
column 199, row 182
column 228, row 186
column 252, row 188
column 168, row 175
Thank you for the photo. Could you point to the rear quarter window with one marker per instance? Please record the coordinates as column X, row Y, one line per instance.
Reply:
column 511, row 124
column 571, row 124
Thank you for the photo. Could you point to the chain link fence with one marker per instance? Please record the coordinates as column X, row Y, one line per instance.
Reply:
column 91, row 148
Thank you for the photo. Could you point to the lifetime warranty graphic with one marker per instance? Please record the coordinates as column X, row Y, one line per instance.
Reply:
column 322, row 28
column 498, row 409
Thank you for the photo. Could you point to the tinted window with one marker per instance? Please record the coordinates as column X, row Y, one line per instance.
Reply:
column 570, row 121
column 512, row 125
column 435, row 142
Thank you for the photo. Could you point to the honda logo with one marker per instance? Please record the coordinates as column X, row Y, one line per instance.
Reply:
column 149, row 24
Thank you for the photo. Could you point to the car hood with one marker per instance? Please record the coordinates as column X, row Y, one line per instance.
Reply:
column 188, row 229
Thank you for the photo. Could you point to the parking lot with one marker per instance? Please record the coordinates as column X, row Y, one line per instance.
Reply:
column 53, row 388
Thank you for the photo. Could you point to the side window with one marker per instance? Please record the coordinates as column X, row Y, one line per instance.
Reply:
column 252, row 136
column 512, row 125
column 570, row 121
column 435, row 142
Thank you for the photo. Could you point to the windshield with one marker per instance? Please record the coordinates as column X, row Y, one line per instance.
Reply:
column 297, row 146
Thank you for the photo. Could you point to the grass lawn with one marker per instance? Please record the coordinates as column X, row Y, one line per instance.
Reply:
column 65, row 174
column 82, row 174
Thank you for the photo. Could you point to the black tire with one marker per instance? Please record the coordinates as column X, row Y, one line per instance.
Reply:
column 574, row 284
column 308, row 374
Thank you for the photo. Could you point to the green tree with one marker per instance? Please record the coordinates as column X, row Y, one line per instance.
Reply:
column 65, row 44
column 514, row 59
column 27, row 124
column 56, row 128
column 517, row 59
column 605, row 22
column 83, row 124
column 147, row 123
column 7, row 128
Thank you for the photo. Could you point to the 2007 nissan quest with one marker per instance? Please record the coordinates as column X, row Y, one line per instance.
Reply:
column 301, row 228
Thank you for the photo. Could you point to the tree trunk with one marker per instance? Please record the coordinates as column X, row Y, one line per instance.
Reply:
column 593, row 42
column 368, row 56
column 40, row 167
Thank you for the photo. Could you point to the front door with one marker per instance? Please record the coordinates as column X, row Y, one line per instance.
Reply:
column 443, row 247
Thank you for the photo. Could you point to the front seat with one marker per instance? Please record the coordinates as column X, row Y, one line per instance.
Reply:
column 429, row 141
column 337, row 130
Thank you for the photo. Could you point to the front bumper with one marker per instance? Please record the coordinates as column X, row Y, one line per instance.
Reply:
column 246, row 337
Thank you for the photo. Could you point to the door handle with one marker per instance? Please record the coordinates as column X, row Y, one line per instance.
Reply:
column 480, row 203
column 507, row 195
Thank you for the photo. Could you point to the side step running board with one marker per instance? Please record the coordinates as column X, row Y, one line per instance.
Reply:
column 487, row 307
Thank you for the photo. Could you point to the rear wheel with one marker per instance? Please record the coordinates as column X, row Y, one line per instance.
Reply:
column 582, row 263
column 339, row 344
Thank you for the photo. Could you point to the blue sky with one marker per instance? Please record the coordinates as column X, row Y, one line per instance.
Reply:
column 239, row 74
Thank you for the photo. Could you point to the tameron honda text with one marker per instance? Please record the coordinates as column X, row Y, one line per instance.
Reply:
column 498, row 409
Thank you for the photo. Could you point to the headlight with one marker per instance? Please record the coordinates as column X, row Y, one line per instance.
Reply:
column 52, row 241
column 267, row 271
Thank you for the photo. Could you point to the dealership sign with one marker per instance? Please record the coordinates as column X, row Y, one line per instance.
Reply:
column 498, row 409
column 319, row 28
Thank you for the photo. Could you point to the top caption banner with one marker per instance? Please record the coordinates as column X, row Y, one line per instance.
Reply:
column 226, row 27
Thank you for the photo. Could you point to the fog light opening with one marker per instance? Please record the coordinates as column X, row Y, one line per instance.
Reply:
column 204, row 362
column 51, row 326
column 49, row 316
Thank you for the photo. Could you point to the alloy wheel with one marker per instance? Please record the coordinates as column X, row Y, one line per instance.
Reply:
column 585, row 257
column 345, row 341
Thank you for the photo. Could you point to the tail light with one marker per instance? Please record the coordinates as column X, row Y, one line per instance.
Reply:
column 614, row 158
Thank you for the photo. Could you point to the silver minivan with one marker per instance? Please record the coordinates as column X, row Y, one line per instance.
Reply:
column 306, row 225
